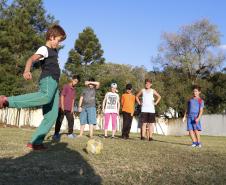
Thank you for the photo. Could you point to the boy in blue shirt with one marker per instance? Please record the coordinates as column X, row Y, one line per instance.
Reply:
column 193, row 114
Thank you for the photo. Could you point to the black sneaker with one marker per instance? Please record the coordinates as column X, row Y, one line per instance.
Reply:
column 151, row 139
column 142, row 138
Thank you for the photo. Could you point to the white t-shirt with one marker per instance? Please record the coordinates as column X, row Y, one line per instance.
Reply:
column 112, row 100
column 42, row 51
column 148, row 101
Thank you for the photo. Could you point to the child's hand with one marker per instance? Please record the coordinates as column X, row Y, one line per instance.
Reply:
column 87, row 82
column 27, row 75
column 197, row 120
column 80, row 109
column 184, row 119
column 155, row 103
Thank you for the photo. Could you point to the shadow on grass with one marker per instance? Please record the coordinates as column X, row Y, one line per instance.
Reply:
column 155, row 140
column 56, row 165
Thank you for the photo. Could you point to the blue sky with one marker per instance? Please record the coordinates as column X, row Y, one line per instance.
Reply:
column 130, row 30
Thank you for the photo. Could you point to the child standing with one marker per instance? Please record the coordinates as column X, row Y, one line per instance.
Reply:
column 111, row 106
column 87, row 106
column 193, row 114
column 147, row 109
column 67, row 101
column 48, row 94
column 128, row 103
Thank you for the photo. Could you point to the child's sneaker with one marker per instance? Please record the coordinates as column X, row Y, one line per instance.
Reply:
column 142, row 138
column 71, row 136
column 36, row 146
column 199, row 145
column 56, row 137
column 194, row 144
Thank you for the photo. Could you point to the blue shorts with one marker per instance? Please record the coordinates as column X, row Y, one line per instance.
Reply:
column 88, row 116
column 192, row 125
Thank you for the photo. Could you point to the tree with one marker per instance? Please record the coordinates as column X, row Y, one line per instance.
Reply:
column 86, row 52
column 23, row 24
column 192, row 49
column 216, row 93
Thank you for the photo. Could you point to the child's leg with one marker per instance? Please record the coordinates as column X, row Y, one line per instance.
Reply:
column 150, row 129
column 129, row 123
column 47, row 89
column 114, row 123
column 81, row 129
column 90, row 130
column 106, row 122
column 50, row 112
column 59, row 121
column 197, row 135
column 83, row 120
column 124, row 124
column 144, row 125
column 92, row 119
column 70, row 120
column 192, row 135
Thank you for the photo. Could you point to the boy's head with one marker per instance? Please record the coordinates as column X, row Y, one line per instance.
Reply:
column 196, row 90
column 91, row 80
column 55, row 35
column 128, row 88
column 148, row 83
column 74, row 79
column 114, row 87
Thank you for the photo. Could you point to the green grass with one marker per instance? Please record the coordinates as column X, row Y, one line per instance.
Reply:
column 168, row 160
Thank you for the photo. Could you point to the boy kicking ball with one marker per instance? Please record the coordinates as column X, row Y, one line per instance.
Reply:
column 193, row 114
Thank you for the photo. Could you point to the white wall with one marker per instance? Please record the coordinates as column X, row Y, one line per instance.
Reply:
column 213, row 125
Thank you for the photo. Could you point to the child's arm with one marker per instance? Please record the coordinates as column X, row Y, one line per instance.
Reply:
column 122, row 100
column 80, row 104
column 27, row 71
column 158, row 96
column 185, row 116
column 104, row 103
column 200, row 114
column 72, row 106
column 97, row 84
column 62, row 102
column 137, row 97
column 118, row 105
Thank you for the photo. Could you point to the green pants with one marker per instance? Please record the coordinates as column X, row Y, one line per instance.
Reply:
column 48, row 98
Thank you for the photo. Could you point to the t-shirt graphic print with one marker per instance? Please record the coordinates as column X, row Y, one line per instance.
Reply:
column 111, row 102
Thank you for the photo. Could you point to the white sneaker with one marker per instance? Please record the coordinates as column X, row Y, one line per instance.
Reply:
column 193, row 144
column 199, row 145
column 71, row 136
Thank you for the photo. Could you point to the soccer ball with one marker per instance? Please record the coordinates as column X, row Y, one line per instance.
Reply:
column 94, row 146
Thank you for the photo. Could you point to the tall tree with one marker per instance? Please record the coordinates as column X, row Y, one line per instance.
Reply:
column 86, row 52
column 23, row 24
column 191, row 49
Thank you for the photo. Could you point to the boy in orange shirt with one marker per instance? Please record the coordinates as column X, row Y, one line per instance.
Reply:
column 128, row 102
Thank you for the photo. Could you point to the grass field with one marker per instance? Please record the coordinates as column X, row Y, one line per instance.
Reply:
column 167, row 160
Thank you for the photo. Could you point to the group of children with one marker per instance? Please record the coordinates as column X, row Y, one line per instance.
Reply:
column 54, row 110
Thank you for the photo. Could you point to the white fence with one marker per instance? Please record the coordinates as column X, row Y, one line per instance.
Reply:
column 213, row 125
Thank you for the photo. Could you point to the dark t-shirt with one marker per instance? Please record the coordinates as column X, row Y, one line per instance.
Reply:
column 89, row 97
column 50, row 66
